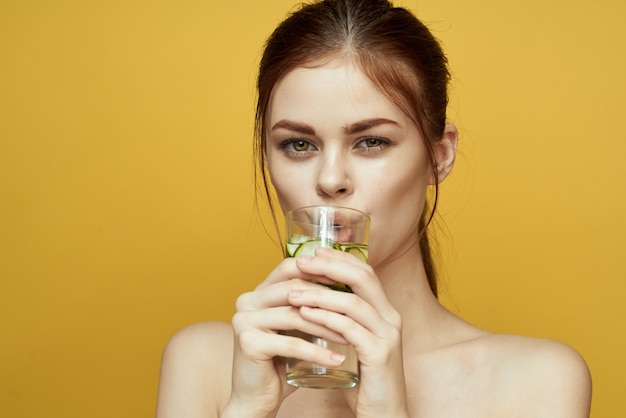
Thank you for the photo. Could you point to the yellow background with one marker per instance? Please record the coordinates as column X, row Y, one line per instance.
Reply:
column 126, row 206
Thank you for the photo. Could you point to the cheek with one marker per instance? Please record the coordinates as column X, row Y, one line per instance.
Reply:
column 396, row 207
column 399, row 201
column 289, row 187
column 400, row 183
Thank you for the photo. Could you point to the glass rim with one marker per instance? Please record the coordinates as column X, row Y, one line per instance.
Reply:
column 289, row 213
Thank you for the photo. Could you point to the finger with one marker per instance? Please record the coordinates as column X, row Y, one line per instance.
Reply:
column 344, row 306
column 257, row 345
column 287, row 270
column 338, row 266
column 271, row 296
column 372, row 349
column 283, row 318
column 353, row 331
column 345, row 268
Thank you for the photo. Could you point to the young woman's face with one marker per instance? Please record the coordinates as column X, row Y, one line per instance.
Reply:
column 334, row 139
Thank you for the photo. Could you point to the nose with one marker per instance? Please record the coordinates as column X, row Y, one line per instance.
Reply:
column 333, row 180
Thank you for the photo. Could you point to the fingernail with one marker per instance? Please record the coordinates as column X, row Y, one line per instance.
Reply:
column 295, row 293
column 338, row 357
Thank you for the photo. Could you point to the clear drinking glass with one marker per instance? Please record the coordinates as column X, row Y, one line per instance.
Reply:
column 344, row 229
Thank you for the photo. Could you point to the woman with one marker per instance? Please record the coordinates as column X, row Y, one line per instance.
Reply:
column 352, row 112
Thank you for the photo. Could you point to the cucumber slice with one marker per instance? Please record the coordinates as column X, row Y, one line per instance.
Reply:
column 307, row 248
column 293, row 244
column 359, row 252
column 295, row 249
column 291, row 249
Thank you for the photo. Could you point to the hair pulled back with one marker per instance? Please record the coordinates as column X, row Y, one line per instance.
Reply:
column 390, row 45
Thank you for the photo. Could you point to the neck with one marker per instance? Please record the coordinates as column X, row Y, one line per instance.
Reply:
column 406, row 287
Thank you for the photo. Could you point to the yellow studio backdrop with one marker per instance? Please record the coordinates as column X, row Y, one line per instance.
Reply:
column 127, row 197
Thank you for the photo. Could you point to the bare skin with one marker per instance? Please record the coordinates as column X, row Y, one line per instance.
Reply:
column 488, row 376
column 335, row 139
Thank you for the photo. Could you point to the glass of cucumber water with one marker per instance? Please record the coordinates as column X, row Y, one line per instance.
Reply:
column 343, row 229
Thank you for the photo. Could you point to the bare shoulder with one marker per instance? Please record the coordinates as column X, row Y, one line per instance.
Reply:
column 196, row 371
column 546, row 378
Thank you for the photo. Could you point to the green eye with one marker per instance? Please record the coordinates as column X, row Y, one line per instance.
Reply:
column 300, row 145
column 297, row 148
column 373, row 142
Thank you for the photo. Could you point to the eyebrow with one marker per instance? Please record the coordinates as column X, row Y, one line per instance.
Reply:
column 351, row 129
column 294, row 126
column 364, row 125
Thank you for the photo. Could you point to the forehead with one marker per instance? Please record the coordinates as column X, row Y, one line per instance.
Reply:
column 335, row 90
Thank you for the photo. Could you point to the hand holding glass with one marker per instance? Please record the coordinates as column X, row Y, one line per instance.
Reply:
column 343, row 229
